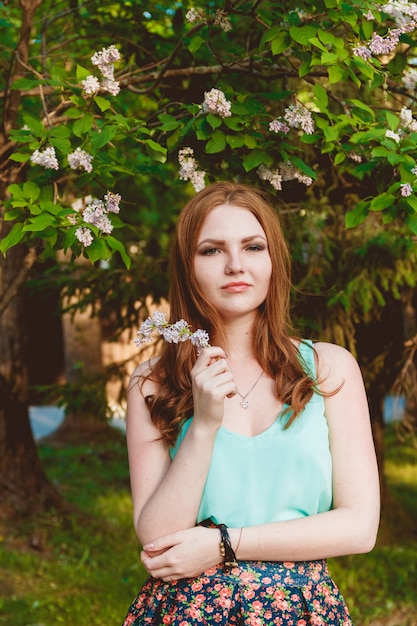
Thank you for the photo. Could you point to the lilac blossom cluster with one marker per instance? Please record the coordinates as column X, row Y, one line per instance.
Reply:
column 295, row 116
column 104, row 60
column 80, row 159
column 172, row 333
column 409, row 79
column 285, row 171
column 404, row 15
column 189, row 169
column 95, row 214
column 220, row 19
column 406, row 189
column 215, row 102
column 406, row 123
column 46, row 158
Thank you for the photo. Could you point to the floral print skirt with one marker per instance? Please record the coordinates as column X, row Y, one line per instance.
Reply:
column 256, row 593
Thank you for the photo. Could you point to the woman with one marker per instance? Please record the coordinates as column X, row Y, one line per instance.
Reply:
column 262, row 434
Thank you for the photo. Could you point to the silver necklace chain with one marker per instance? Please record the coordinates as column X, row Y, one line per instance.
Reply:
column 244, row 403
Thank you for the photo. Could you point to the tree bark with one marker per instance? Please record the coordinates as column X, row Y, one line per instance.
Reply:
column 24, row 487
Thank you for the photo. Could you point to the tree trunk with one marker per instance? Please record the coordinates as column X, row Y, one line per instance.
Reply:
column 24, row 487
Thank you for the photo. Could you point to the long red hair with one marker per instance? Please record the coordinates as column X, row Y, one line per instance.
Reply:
column 273, row 340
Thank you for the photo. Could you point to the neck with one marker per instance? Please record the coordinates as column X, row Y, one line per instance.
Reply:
column 239, row 340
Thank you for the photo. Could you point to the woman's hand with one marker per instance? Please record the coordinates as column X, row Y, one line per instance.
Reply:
column 212, row 383
column 183, row 554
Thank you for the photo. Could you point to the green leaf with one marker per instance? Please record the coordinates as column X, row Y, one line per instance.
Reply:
column 411, row 221
column 302, row 34
column 155, row 150
column 318, row 44
column 62, row 144
column 339, row 158
column 74, row 113
column 100, row 139
column 357, row 216
column 253, row 159
column 379, row 151
column 234, row 123
column 15, row 191
column 235, row 141
column 82, row 73
column 270, row 34
column 117, row 245
column 13, row 237
column 60, row 131
column 363, row 67
column 280, row 43
column 19, row 157
column 358, row 104
column 412, row 202
column 306, row 169
column 217, row 143
column 331, row 133
column 31, row 191
column 34, row 125
column 214, row 120
column 195, row 44
column 102, row 103
column 326, row 37
column 321, row 96
column 26, row 83
column 305, row 66
column 392, row 120
column 328, row 58
column 381, row 202
column 250, row 141
column 83, row 125
column 40, row 222
column 336, row 74
column 98, row 250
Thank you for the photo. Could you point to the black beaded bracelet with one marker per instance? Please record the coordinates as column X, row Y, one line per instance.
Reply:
column 226, row 550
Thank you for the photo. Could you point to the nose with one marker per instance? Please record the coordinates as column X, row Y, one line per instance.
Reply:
column 234, row 264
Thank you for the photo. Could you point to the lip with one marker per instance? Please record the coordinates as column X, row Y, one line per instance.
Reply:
column 235, row 287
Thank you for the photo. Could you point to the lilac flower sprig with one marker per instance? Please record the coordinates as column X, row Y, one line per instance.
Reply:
column 172, row 333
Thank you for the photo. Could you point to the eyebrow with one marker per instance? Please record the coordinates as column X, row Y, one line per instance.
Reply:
column 222, row 241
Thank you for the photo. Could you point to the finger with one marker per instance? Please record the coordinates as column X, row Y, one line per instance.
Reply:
column 160, row 544
column 209, row 355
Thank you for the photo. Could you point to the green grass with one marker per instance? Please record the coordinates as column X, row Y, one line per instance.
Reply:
column 85, row 570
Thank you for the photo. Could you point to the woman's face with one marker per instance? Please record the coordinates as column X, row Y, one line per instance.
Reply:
column 232, row 262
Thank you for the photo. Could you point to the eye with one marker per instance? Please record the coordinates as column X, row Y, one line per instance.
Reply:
column 255, row 247
column 209, row 251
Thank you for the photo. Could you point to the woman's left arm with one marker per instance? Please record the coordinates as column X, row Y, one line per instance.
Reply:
column 352, row 524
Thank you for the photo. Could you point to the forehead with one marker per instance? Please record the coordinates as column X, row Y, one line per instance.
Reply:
column 229, row 220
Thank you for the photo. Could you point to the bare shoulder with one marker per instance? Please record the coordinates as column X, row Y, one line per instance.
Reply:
column 139, row 380
column 335, row 365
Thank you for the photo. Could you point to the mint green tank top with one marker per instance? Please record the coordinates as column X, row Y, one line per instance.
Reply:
column 274, row 476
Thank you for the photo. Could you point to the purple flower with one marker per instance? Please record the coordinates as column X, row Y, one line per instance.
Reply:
column 406, row 189
column 172, row 333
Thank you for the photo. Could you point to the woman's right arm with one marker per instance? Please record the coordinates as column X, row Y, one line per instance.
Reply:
column 166, row 494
